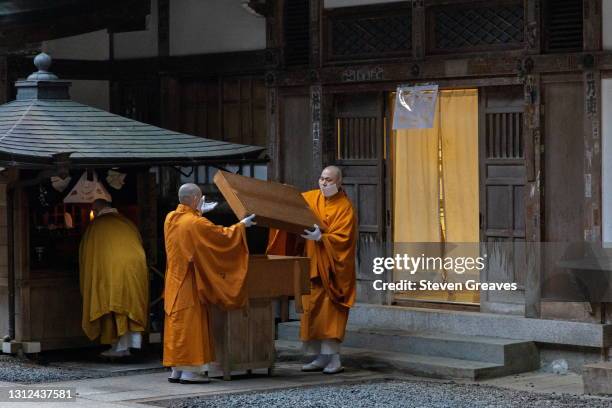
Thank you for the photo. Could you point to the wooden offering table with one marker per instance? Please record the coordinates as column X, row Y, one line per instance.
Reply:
column 244, row 339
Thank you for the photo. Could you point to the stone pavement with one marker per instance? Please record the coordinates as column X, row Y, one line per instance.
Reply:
column 134, row 390
column 139, row 390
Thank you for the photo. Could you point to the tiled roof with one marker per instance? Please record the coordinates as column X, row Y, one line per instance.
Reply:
column 37, row 129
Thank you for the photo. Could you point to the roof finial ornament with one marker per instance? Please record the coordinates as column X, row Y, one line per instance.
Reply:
column 42, row 61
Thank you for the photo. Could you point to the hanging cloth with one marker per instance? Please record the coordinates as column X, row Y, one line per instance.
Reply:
column 86, row 191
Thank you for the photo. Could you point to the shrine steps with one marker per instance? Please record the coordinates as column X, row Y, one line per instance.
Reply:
column 436, row 355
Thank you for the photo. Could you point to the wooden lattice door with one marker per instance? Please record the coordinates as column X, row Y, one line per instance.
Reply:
column 502, row 191
column 360, row 134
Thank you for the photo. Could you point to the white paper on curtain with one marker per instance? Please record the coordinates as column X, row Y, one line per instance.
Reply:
column 415, row 107
column 86, row 191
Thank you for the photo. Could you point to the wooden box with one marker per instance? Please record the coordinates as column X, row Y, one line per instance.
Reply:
column 274, row 276
column 244, row 339
column 275, row 205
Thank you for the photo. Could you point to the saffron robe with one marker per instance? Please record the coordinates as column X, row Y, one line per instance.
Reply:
column 332, row 266
column 206, row 264
column 114, row 279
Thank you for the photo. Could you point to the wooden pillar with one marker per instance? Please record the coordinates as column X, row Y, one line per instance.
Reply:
column 592, row 25
column 5, row 85
column 316, row 92
column 418, row 29
column 272, row 121
column 4, row 261
column 170, row 106
column 592, row 159
column 592, row 167
column 163, row 28
column 147, row 202
column 328, row 128
column 533, row 194
column 316, row 8
column 533, row 27
column 274, row 41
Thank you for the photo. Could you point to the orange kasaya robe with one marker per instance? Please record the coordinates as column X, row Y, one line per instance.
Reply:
column 114, row 279
column 205, row 264
column 332, row 266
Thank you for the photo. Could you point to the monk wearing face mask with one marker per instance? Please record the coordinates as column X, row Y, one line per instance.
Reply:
column 332, row 271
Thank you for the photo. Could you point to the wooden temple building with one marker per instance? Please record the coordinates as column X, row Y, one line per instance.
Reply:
column 312, row 82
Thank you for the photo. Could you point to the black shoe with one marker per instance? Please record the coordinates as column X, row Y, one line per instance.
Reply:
column 174, row 380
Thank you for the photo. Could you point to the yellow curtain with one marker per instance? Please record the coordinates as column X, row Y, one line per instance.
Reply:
column 459, row 124
column 416, row 186
column 436, row 184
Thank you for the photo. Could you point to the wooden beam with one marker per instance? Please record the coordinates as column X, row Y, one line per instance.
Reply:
column 438, row 67
column 70, row 19
column 235, row 63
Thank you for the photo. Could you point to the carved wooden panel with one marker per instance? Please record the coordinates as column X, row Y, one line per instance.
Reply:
column 367, row 32
column 475, row 26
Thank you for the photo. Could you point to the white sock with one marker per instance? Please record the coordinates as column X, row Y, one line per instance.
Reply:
column 334, row 362
column 321, row 361
column 175, row 373
column 190, row 375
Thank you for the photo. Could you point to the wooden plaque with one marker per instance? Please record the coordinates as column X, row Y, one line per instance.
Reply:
column 275, row 205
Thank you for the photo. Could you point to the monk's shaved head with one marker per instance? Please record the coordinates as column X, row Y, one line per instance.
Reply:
column 189, row 194
column 99, row 204
column 333, row 172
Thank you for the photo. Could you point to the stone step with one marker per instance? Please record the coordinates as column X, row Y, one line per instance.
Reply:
column 482, row 324
column 477, row 348
column 426, row 366
column 427, row 353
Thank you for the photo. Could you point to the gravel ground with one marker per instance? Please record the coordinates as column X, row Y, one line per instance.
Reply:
column 24, row 371
column 391, row 394
column 14, row 369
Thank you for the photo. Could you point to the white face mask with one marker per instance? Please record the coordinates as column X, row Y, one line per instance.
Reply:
column 329, row 190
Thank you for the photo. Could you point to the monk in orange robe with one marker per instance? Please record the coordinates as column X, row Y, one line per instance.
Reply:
column 206, row 264
column 332, row 270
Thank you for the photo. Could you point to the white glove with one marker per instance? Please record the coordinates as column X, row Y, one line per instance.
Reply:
column 248, row 221
column 312, row 235
column 207, row 206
